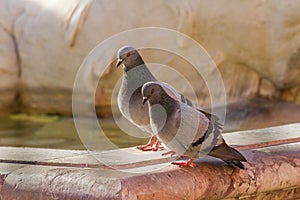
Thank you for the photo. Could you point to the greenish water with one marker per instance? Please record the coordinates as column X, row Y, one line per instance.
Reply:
column 20, row 130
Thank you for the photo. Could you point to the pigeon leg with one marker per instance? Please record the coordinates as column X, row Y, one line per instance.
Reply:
column 171, row 153
column 184, row 163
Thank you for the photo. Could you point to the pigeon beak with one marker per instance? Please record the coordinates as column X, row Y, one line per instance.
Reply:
column 119, row 62
column 144, row 100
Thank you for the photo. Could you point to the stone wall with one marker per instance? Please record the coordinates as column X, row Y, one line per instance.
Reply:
column 256, row 45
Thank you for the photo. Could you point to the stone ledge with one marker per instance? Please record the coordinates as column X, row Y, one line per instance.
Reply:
column 272, row 172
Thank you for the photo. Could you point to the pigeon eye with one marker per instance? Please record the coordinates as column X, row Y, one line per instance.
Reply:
column 128, row 54
column 152, row 91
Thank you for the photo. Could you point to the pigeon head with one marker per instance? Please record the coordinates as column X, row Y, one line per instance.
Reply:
column 152, row 92
column 129, row 57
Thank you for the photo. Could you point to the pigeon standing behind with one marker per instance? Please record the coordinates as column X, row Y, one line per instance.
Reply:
column 136, row 73
column 186, row 130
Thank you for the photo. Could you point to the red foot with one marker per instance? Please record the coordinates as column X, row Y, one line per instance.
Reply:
column 151, row 145
column 171, row 153
column 154, row 147
column 184, row 163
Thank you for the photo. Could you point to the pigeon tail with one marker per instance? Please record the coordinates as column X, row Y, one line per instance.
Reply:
column 224, row 152
column 228, row 155
column 235, row 163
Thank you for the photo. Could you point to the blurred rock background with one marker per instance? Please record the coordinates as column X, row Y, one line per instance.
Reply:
column 255, row 44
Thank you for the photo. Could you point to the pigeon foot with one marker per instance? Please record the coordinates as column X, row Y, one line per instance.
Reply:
column 151, row 145
column 184, row 163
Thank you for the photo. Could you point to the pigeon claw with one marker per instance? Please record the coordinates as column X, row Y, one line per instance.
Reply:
column 151, row 145
column 154, row 147
column 184, row 163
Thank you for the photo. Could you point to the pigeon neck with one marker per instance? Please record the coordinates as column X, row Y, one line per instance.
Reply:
column 168, row 103
column 138, row 75
column 133, row 64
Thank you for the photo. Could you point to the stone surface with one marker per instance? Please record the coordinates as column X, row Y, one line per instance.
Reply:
column 255, row 45
column 263, row 135
column 35, row 154
column 9, row 58
column 272, row 172
column 210, row 180
column 45, row 182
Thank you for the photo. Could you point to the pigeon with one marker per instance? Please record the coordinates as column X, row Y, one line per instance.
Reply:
column 135, row 75
column 186, row 130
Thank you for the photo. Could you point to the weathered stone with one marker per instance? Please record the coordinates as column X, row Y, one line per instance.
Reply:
column 210, row 180
column 271, row 172
column 298, row 97
column 45, row 182
column 289, row 94
column 63, row 35
column 263, row 135
column 255, row 45
column 267, row 89
column 9, row 58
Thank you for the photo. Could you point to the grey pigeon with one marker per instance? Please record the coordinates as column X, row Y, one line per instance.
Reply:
column 185, row 130
column 135, row 75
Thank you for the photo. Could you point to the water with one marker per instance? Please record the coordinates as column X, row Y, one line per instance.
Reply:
column 50, row 131
column 42, row 131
